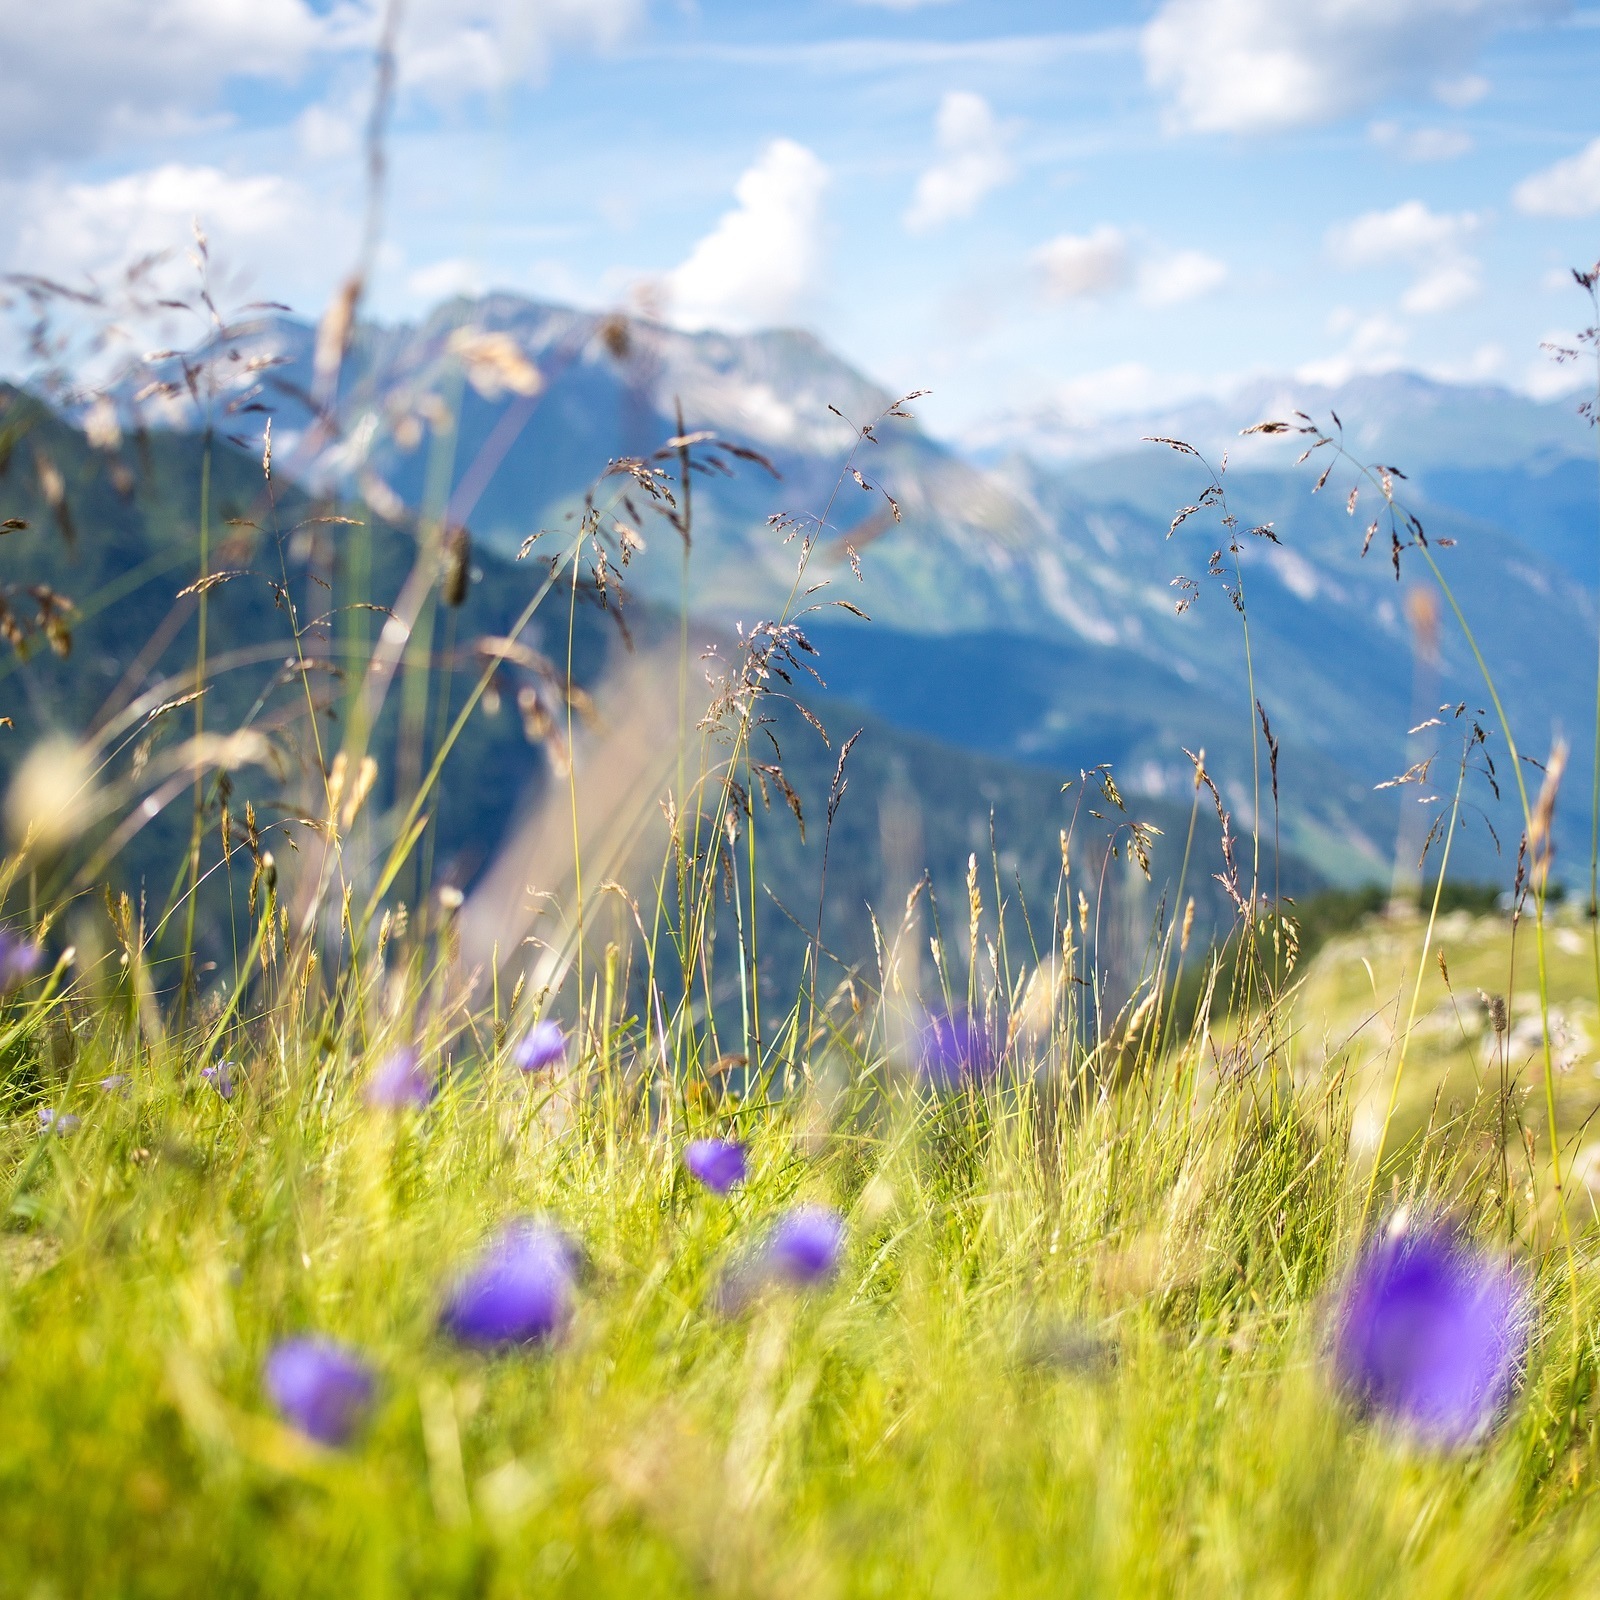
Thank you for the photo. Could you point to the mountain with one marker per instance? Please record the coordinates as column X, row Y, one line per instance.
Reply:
column 1024, row 604
column 122, row 677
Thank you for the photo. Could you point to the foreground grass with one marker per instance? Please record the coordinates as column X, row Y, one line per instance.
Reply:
column 1075, row 1349
column 1350, row 1008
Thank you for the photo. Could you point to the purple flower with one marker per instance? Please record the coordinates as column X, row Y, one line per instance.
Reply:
column 401, row 1081
column 520, row 1290
column 52, row 1121
column 718, row 1163
column 542, row 1047
column 117, row 1083
column 220, row 1075
column 1431, row 1329
column 955, row 1050
column 19, row 959
column 321, row 1387
column 801, row 1251
column 805, row 1245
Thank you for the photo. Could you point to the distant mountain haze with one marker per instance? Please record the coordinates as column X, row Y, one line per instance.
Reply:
column 1024, row 607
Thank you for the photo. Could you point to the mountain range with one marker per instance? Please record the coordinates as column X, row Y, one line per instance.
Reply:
column 1026, row 593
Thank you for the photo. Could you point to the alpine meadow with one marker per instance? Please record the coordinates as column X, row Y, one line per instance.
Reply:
column 634, row 962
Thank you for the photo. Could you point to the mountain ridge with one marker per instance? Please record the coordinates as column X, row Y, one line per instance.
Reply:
column 1067, row 570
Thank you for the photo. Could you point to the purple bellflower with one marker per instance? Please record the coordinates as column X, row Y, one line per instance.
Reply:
column 519, row 1291
column 117, row 1083
column 955, row 1050
column 805, row 1245
column 801, row 1251
column 541, row 1048
column 321, row 1387
column 19, row 960
column 401, row 1082
column 1431, row 1331
column 719, row 1164
column 53, row 1121
column 223, row 1077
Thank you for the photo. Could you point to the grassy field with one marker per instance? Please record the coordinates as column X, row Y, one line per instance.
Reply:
column 1076, row 1344
column 1084, row 1335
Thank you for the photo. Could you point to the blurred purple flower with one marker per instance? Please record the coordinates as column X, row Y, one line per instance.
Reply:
column 19, row 959
column 52, row 1121
column 718, row 1163
column 805, row 1245
column 401, row 1081
column 520, row 1289
column 321, row 1387
column 801, row 1251
column 117, row 1083
column 221, row 1076
column 955, row 1050
column 1431, row 1330
column 542, row 1047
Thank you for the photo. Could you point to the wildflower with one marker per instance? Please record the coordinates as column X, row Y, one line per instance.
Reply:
column 520, row 1290
column 542, row 1047
column 719, row 1164
column 220, row 1075
column 954, row 1050
column 19, row 959
column 401, row 1081
column 801, row 1251
column 115, row 1084
column 53, row 1121
column 805, row 1245
column 323, row 1388
column 1431, row 1330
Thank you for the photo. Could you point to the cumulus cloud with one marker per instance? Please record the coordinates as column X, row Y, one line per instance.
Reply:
column 764, row 257
column 85, row 74
column 82, row 72
column 1085, row 266
column 1251, row 66
column 93, row 230
column 1186, row 275
column 1411, row 235
column 1570, row 188
column 973, row 160
column 1101, row 263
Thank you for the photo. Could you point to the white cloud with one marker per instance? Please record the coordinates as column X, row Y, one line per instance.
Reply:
column 84, row 75
column 1443, row 288
column 974, row 160
column 1250, row 66
column 1186, row 275
column 1411, row 235
column 1422, row 144
column 1085, row 266
column 454, row 47
column 1408, row 232
column 256, row 227
column 1570, row 188
column 442, row 280
column 763, row 259
column 80, row 73
column 1371, row 344
column 1459, row 93
column 1100, row 263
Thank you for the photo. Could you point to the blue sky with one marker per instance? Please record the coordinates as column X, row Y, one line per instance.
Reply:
column 1089, row 207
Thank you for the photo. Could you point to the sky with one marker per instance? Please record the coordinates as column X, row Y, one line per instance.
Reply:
column 1080, row 208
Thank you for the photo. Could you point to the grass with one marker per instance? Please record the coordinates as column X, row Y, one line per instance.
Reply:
column 1078, row 1340
column 1067, row 1352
